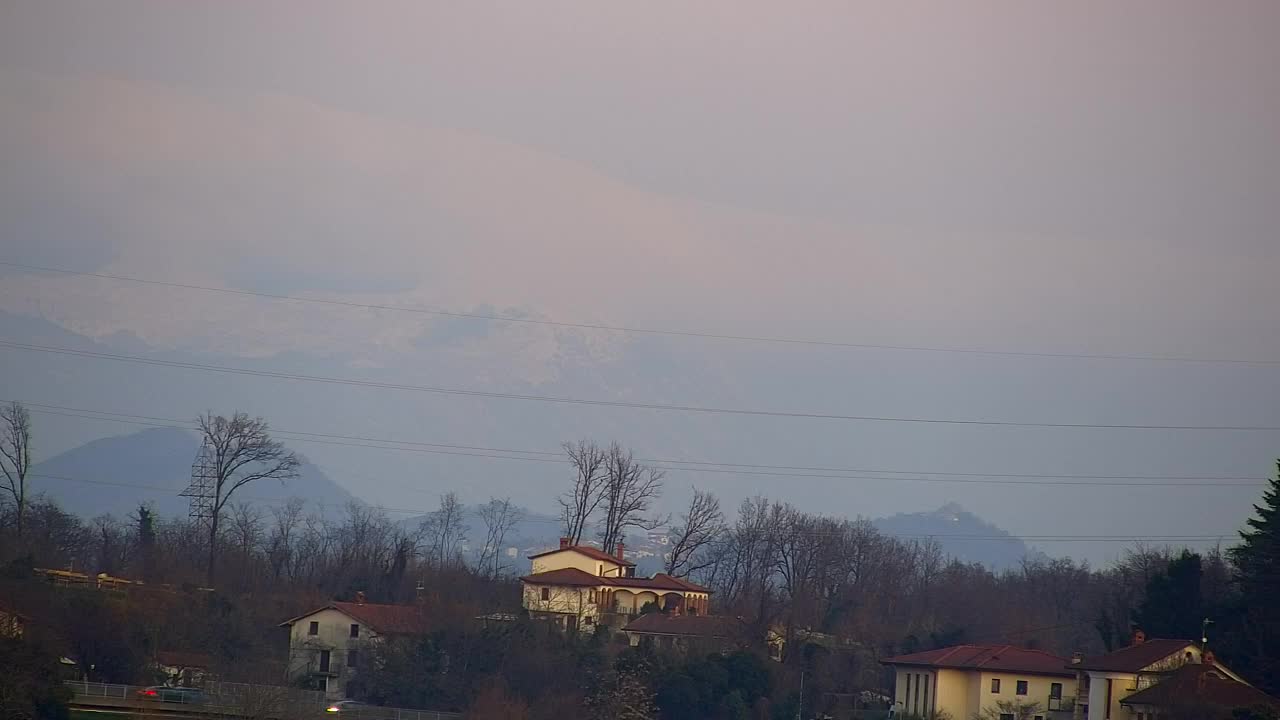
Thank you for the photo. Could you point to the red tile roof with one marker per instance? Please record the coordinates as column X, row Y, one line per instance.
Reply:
column 593, row 553
column 578, row 578
column 711, row 626
column 1005, row 658
column 383, row 619
column 1196, row 685
column 1135, row 657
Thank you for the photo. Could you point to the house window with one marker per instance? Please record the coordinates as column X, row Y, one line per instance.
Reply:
column 355, row 630
column 1007, row 716
column 353, row 658
column 546, row 593
column 1022, row 687
column 324, row 661
column 917, row 696
column 995, row 685
column 591, row 596
column 314, row 628
column 1055, row 691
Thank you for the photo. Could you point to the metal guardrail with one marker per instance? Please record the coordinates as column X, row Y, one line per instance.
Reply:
column 231, row 697
column 385, row 713
column 102, row 690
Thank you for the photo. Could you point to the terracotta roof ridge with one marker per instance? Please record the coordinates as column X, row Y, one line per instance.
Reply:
column 950, row 651
column 1043, row 652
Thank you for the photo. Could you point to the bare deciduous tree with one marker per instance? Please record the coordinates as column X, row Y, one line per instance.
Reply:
column 580, row 503
column 112, row 545
column 15, row 456
column 690, row 543
column 498, row 517
column 280, row 547
column 445, row 531
column 246, row 531
column 629, row 492
column 242, row 452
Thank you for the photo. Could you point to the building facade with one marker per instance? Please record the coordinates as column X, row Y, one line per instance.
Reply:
column 690, row 634
column 582, row 587
column 1106, row 681
column 965, row 681
column 328, row 645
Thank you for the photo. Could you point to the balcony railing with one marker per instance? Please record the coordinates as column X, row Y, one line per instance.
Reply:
column 1060, row 704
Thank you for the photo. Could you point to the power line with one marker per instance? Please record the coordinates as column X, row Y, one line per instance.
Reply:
column 415, row 511
column 702, row 409
column 641, row 330
column 386, row 444
column 672, row 461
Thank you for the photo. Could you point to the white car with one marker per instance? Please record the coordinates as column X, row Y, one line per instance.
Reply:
column 350, row 706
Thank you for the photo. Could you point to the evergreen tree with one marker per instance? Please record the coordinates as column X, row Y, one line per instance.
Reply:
column 1257, row 560
column 146, row 519
column 1172, row 607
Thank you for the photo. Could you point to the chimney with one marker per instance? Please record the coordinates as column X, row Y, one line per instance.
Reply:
column 621, row 549
column 360, row 597
column 1077, row 658
column 1139, row 637
column 564, row 543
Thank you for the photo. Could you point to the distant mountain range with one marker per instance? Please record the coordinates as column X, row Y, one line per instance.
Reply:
column 115, row 475
column 962, row 535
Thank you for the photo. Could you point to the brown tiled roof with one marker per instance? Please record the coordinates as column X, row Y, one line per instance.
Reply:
column 578, row 578
column 1135, row 657
column 1193, row 685
column 383, row 619
column 712, row 626
column 1006, row 658
column 564, row 576
column 593, row 553
column 691, row 587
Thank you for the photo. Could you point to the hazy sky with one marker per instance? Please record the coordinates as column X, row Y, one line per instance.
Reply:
column 1087, row 177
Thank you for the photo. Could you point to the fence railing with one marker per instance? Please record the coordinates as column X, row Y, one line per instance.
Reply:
column 102, row 690
column 257, row 700
column 383, row 713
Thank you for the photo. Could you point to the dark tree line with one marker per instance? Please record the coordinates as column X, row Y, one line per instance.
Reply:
column 826, row 596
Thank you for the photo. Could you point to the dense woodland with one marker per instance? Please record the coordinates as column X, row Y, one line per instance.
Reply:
column 839, row 593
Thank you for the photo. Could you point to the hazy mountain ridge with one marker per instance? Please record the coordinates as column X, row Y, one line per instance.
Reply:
column 153, row 466
column 641, row 369
column 962, row 535
column 114, row 475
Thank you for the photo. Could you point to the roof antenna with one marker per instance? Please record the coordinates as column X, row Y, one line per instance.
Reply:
column 1204, row 631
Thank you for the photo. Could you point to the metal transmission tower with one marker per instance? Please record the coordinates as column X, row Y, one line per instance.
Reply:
column 203, row 490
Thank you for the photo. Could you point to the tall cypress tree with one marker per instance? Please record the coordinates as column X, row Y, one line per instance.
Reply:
column 1257, row 560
